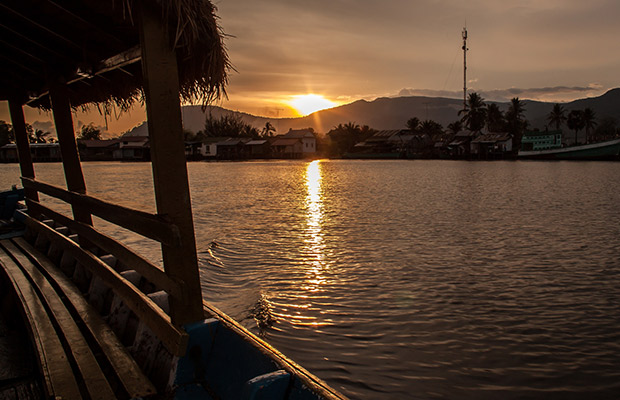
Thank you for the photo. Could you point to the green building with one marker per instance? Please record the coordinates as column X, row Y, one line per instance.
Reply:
column 541, row 140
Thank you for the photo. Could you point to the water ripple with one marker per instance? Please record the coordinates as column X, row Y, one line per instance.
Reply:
column 424, row 279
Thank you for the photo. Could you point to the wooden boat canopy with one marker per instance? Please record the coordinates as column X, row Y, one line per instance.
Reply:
column 94, row 46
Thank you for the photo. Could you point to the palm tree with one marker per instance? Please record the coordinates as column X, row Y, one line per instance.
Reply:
column 40, row 136
column 344, row 137
column 352, row 127
column 90, row 132
column 413, row 124
column 589, row 121
column 268, row 130
column 474, row 113
column 495, row 118
column 515, row 121
column 455, row 127
column 431, row 127
column 7, row 134
column 516, row 111
column 556, row 116
column 575, row 121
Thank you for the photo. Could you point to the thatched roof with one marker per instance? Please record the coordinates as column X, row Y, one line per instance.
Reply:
column 94, row 46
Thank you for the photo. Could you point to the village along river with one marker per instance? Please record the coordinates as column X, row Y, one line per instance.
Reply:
column 409, row 279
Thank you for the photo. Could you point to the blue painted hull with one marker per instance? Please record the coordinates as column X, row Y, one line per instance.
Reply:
column 235, row 364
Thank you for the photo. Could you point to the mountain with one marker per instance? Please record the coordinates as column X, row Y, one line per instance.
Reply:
column 605, row 106
column 194, row 119
column 393, row 113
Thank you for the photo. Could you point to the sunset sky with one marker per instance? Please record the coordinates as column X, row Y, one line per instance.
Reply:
column 345, row 50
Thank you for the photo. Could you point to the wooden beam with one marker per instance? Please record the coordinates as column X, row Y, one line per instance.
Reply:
column 41, row 46
column 20, row 65
column 38, row 25
column 118, row 61
column 23, row 147
column 87, row 24
column 63, row 120
column 21, row 51
column 163, row 109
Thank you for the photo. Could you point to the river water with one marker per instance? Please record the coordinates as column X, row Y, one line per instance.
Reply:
column 409, row 279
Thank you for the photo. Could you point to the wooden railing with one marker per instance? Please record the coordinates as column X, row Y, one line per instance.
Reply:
column 152, row 226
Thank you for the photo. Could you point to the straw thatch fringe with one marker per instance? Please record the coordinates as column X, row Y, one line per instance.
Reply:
column 198, row 38
column 201, row 55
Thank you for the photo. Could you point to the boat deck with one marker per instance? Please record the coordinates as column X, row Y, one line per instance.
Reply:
column 18, row 369
column 77, row 353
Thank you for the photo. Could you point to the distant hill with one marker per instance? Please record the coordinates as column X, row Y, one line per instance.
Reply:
column 393, row 113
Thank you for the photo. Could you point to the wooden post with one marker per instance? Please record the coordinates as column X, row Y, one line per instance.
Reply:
column 23, row 147
column 163, row 110
column 63, row 120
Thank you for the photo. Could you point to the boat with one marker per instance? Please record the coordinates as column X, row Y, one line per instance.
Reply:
column 10, row 201
column 91, row 317
column 608, row 150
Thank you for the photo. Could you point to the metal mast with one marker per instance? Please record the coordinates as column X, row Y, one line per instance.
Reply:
column 465, row 67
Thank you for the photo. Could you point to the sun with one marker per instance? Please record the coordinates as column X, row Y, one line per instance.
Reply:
column 306, row 104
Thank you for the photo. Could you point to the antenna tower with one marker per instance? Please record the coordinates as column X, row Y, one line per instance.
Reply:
column 465, row 67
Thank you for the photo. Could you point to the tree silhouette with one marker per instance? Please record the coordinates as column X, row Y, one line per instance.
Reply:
column 515, row 121
column 413, row 124
column 431, row 127
column 474, row 113
column 268, row 130
column 575, row 121
column 455, row 127
column 6, row 133
column 556, row 116
column 228, row 125
column 344, row 137
column 89, row 132
column 40, row 136
column 589, row 121
column 495, row 118
column 606, row 129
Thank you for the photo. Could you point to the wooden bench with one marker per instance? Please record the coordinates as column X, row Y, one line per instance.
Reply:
column 79, row 355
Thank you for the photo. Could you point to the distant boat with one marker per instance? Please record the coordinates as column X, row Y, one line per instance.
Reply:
column 608, row 150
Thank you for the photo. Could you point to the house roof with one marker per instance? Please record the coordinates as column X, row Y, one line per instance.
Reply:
column 136, row 145
column 299, row 134
column 492, row 138
column 98, row 143
column 256, row 142
column 465, row 134
column 232, row 142
column 134, row 139
column 407, row 137
column 211, row 140
column 458, row 142
column 33, row 145
column 284, row 142
column 390, row 133
column 94, row 46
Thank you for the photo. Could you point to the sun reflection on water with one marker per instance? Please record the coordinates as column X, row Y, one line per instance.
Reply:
column 314, row 220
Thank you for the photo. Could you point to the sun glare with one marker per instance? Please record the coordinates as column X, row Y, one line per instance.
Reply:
column 308, row 103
